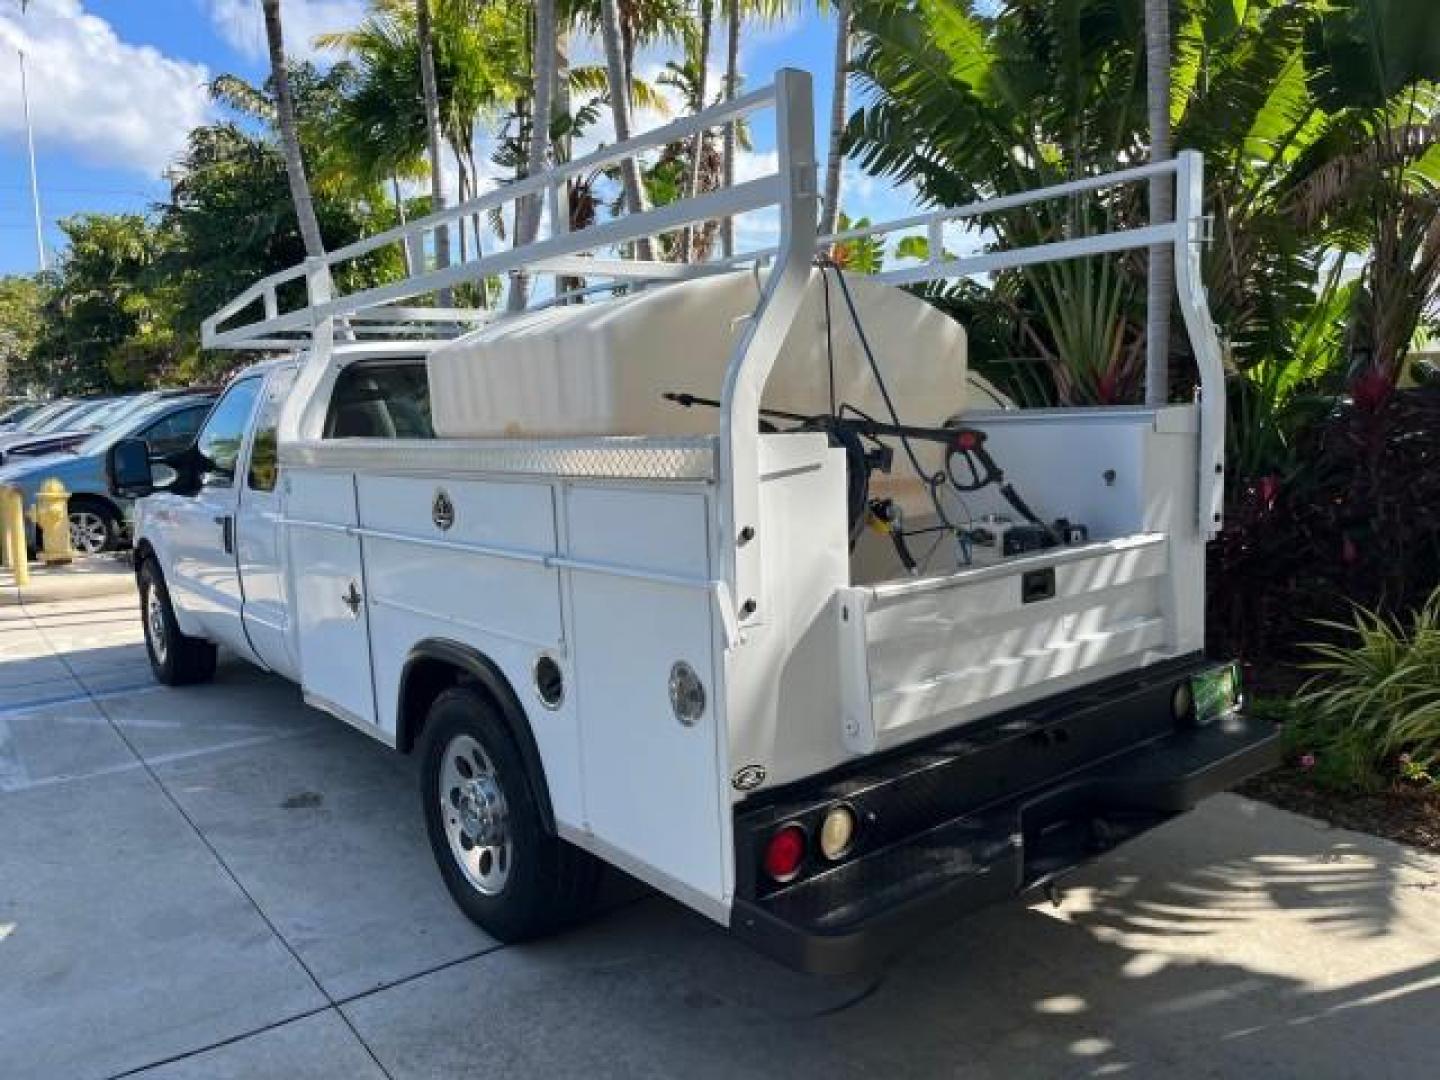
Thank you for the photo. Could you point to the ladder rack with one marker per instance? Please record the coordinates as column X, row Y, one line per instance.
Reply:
column 380, row 311
column 394, row 316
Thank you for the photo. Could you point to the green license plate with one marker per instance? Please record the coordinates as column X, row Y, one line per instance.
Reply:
column 1216, row 692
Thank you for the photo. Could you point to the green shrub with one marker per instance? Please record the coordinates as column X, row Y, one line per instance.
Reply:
column 1371, row 714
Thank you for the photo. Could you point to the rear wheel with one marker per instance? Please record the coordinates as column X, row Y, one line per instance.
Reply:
column 176, row 659
column 501, row 865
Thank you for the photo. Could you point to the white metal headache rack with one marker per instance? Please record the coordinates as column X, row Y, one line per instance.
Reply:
column 395, row 314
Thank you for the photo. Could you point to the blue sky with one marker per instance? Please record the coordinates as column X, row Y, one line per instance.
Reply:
column 115, row 85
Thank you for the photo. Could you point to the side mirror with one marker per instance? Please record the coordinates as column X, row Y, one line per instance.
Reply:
column 128, row 472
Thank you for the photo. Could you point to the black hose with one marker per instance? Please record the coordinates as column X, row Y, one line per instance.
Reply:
column 932, row 483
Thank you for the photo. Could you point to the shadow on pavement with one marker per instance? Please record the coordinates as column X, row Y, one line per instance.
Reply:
column 1237, row 941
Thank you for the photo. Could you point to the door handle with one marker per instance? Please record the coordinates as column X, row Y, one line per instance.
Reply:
column 227, row 532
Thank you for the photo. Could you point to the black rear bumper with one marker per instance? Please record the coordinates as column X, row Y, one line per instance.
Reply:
column 942, row 836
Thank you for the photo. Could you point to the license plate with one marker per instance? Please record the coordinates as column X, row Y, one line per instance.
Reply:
column 1216, row 692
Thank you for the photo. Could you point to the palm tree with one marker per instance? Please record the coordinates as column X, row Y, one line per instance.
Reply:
column 735, row 14
column 670, row 175
column 289, row 136
column 732, row 86
column 527, row 213
column 830, row 204
column 479, row 65
column 620, row 108
column 1373, row 180
column 1160, row 281
column 970, row 107
column 543, row 72
column 431, row 92
column 705, row 20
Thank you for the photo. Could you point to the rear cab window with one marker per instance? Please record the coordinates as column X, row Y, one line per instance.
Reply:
column 383, row 399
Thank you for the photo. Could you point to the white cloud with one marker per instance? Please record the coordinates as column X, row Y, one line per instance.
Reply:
column 753, row 164
column 107, row 101
column 242, row 23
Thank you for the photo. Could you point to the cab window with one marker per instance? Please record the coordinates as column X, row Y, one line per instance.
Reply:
column 264, row 448
column 219, row 441
column 385, row 400
column 174, row 432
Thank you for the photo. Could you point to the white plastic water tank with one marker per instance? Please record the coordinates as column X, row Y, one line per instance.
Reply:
column 602, row 368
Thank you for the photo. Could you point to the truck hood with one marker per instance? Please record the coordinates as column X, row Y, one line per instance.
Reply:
column 36, row 469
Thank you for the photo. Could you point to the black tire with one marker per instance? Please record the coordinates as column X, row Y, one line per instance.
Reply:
column 546, row 884
column 94, row 526
column 175, row 658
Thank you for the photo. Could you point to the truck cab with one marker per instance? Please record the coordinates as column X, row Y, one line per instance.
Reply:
column 691, row 631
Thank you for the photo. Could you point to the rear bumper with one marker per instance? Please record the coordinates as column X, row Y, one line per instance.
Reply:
column 926, row 869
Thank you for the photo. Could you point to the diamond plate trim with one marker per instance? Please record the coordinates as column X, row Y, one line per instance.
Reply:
column 610, row 457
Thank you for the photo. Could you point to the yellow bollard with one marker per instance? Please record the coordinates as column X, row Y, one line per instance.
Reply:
column 52, row 516
column 4, row 530
column 12, row 514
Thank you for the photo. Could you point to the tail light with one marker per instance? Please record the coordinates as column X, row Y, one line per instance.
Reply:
column 837, row 832
column 785, row 853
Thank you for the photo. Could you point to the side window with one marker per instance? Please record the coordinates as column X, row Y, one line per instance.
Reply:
column 389, row 400
column 264, row 448
column 176, row 431
column 224, row 431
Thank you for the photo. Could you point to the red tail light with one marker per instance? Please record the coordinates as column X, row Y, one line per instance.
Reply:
column 784, row 853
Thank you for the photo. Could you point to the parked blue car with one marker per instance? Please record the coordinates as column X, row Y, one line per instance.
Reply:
column 71, row 429
column 99, row 520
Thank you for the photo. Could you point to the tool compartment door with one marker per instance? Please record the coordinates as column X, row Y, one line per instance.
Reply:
column 641, row 603
column 327, row 582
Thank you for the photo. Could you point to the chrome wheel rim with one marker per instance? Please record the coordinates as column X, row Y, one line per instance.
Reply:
column 155, row 624
column 476, row 815
column 88, row 534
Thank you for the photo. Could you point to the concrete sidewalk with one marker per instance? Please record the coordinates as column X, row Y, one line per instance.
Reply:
column 219, row 882
column 98, row 577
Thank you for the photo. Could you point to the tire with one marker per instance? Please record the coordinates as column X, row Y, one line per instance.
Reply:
column 525, row 882
column 176, row 659
column 94, row 526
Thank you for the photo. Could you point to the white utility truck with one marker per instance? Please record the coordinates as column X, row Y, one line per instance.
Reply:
column 727, row 574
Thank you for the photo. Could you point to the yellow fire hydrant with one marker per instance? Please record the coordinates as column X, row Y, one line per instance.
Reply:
column 12, row 533
column 52, row 516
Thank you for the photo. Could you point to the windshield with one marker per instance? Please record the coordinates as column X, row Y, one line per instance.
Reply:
column 115, row 411
column 67, row 419
column 19, row 412
column 37, row 420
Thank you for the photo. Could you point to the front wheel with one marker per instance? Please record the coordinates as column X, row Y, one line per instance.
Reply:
column 176, row 659
column 94, row 527
column 502, row 867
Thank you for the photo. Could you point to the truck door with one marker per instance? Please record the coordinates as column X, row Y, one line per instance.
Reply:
column 257, row 534
column 384, row 399
column 202, row 538
column 328, row 594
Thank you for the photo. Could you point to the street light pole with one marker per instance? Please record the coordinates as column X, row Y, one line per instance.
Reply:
column 30, row 144
column 34, row 180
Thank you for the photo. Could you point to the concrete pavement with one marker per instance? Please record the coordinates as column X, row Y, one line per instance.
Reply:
column 220, row 882
column 84, row 578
